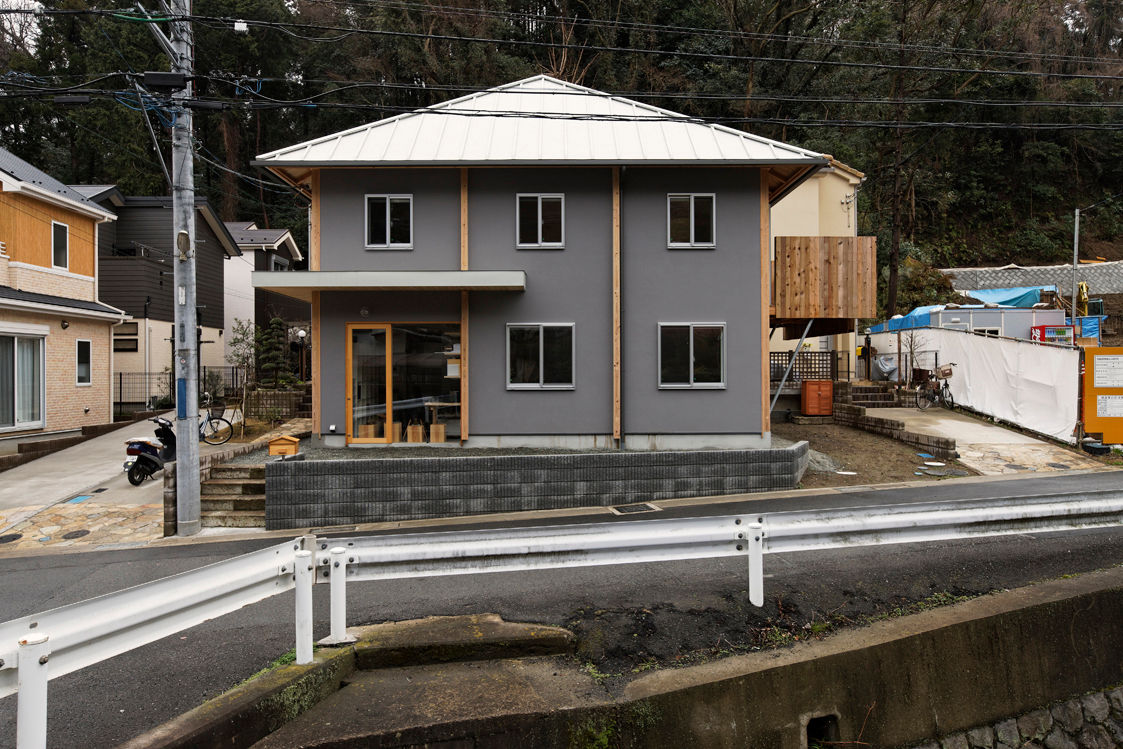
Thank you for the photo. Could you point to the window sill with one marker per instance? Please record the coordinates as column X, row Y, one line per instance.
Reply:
column 540, row 247
column 388, row 247
column 541, row 387
column 699, row 386
column 691, row 246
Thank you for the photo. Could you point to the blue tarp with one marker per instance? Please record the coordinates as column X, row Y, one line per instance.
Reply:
column 1018, row 296
column 921, row 317
column 1088, row 327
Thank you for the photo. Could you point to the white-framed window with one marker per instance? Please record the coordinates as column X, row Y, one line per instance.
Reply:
column 389, row 222
column 691, row 219
column 540, row 220
column 21, row 382
column 987, row 331
column 60, row 245
column 540, row 356
column 692, row 355
column 83, row 362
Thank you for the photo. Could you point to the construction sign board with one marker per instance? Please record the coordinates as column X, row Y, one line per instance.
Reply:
column 1103, row 393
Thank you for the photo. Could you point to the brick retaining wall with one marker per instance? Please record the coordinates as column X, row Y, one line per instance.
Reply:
column 301, row 494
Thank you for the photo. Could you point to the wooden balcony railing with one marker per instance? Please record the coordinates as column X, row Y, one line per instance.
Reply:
column 824, row 277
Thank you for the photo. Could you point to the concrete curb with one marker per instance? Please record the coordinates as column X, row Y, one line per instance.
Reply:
column 253, row 710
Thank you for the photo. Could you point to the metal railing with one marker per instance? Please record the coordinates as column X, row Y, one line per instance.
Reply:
column 34, row 649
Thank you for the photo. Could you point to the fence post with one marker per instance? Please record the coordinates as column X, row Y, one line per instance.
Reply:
column 756, row 564
column 305, row 576
column 338, row 562
column 31, row 706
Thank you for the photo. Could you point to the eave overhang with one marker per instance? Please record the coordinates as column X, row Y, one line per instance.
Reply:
column 301, row 284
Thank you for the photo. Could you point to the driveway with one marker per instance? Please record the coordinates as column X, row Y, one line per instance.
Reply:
column 91, row 469
column 989, row 448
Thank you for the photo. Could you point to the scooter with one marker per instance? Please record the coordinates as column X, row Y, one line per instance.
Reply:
column 147, row 456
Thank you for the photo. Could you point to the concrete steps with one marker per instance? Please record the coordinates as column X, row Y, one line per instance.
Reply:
column 233, row 497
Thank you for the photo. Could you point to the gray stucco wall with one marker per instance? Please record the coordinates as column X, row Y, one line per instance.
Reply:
column 694, row 285
column 436, row 218
column 572, row 285
column 342, row 307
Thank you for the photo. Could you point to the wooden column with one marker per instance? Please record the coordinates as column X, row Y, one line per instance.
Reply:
column 617, row 426
column 464, row 366
column 765, row 299
column 314, row 265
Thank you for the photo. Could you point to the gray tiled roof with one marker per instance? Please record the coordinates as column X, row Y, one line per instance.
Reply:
column 25, row 172
column 7, row 292
column 257, row 236
column 1102, row 278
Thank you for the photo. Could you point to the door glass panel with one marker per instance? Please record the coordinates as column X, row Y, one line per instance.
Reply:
column 29, row 374
column 426, row 377
column 7, row 381
column 368, row 383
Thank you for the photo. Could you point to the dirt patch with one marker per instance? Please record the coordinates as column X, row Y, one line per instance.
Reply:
column 873, row 458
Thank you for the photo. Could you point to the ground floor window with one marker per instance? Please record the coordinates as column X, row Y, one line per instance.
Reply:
column 691, row 355
column 540, row 356
column 21, row 381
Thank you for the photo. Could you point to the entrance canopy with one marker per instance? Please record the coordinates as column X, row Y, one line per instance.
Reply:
column 301, row 284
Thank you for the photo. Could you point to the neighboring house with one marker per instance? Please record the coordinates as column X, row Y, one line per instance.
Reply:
column 55, row 336
column 135, row 259
column 545, row 264
column 825, row 205
column 262, row 249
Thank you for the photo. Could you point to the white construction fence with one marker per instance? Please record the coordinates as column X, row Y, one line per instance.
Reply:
column 1031, row 384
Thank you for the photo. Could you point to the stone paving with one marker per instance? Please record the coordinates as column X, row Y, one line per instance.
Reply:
column 86, row 523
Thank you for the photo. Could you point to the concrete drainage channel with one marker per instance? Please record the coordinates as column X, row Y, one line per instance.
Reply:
column 480, row 681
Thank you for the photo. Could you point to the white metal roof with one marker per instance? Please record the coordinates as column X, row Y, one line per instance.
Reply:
column 539, row 120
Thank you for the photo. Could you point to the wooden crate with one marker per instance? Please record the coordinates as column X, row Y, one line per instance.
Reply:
column 437, row 433
column 415, row 433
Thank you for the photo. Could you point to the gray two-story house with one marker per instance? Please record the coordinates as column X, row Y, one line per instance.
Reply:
column 540, row 264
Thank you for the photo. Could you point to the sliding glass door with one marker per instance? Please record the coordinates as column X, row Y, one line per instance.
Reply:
column 369, row 410
column 21, row 382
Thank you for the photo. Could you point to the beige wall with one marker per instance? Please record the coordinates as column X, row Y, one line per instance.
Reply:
column 66, row 401
column 160, row 350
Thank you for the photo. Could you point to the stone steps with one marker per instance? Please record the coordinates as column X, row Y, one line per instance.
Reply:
column 232, row 471
column 232, row 486
column 233, row 497
column 233, row 519
column 222, row 503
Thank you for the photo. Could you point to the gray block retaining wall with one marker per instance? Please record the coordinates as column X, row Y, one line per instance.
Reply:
column 302, row 494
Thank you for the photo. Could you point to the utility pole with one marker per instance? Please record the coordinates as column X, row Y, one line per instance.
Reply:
column 180, row 49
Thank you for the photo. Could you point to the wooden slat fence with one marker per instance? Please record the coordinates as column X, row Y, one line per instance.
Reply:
column 825, row 277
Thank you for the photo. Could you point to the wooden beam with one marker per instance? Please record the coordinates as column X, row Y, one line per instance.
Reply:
column 617, row 426
column 464, row 219
column 314, row 239
column 316, row 369
column 765, row 297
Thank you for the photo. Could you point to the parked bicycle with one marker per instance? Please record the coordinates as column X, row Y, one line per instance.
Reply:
column 936, row 389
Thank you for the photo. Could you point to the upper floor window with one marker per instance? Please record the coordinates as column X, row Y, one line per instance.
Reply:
column 691, row 355
column 83, row 363
column 690, row 220
column 277, row 263
column 540, row 356
column 389, row 222
column 540, row 220
column 60, row 245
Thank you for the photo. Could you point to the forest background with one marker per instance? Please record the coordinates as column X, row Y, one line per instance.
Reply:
column 980, row 125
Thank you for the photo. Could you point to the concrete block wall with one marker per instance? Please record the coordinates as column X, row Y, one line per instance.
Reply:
column 303, row 494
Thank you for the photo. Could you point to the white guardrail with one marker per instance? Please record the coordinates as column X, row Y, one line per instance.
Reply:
column 34, row 649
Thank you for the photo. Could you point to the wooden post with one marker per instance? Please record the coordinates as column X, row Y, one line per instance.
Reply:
column 314, row 220
column 316, row 369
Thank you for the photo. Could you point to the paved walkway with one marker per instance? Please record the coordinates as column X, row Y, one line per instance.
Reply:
column 988, row 448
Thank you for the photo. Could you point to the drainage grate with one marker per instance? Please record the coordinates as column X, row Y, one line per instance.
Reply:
column 1018, row 467
column 102, row 489
column 76, row 534
column 1059, row 466
column 633, row 508
column 7, row 539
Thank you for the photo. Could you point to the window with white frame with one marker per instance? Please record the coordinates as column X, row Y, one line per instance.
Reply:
column 21, row 382
column 995, row 332
column 692, row 355
column 389, row 222
column 83, row 362
column 690, row 220
column 60, row 245
column 540, row 356
column 540, row 220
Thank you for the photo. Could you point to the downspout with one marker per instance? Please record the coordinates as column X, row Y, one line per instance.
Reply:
column 623, row 369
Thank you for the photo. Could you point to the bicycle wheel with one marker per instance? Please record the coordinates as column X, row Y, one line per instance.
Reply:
column 923, row 398
column 217, row 430
column 945, row 393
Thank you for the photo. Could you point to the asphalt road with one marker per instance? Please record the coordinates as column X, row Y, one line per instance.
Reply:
column 112, row 701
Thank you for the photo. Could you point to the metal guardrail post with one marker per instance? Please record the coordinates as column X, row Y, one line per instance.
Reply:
column 31, row 706
column 338, row 580
column 305, row 576
column 756, row 564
